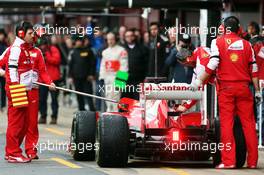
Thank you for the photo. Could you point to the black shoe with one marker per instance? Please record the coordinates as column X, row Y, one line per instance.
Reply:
column 42, row 120
column 33, row 156
column 53, row 121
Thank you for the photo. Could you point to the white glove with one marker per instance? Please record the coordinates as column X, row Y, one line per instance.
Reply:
column 2, row 73
column 196, row 84
column 258, row 97
column 181, row 108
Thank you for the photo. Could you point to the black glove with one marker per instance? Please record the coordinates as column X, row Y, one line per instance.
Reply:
column 258, row 98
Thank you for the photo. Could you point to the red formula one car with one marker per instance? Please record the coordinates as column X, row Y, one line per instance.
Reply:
column 150, row 129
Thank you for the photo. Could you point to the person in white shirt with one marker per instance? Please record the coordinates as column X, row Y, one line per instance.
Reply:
column 114, row 58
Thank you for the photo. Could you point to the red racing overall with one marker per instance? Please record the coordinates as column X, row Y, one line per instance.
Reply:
column 40, row 75
column 234, row 62
column 23, row 63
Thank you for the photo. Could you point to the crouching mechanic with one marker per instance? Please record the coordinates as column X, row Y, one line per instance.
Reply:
column 198, row 59
column 24, row 64
column 233, row 59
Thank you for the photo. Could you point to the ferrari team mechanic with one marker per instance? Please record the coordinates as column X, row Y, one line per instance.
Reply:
column 233, row 59
column 114, row 58
column 198, row 59
column 23, row 66
column 41, row 75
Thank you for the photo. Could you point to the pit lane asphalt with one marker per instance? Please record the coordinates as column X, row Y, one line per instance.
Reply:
column 59, row 162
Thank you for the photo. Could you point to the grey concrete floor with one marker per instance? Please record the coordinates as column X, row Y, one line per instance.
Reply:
column 59, row 161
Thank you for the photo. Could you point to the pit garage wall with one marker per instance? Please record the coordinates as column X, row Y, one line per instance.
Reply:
column 261, row 7
column 138, row 22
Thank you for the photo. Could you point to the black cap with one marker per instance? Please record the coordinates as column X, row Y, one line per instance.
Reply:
column 185, row 38
column 2, row 31
column 77, row 37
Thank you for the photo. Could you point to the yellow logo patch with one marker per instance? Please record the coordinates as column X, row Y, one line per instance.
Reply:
column 33, row 54
column 205, row 55
column 234, row 57
column 84, row 54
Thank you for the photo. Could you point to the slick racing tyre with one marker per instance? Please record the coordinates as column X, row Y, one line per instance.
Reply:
column 113, row 139
column 83, row 136
column 241, row 149
column 217, row 155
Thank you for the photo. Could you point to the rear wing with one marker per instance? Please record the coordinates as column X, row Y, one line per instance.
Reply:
column 171, row 91
column 175, row 91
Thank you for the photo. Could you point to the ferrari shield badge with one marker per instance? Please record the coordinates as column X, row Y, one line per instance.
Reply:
column 228, row 41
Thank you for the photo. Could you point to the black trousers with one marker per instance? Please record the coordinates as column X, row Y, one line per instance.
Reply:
column 2, row 92
column 131, row 89
column 43, row 97
column 85, row 86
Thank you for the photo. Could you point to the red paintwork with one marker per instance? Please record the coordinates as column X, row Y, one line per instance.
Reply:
column 189, row 119
column 156, row 115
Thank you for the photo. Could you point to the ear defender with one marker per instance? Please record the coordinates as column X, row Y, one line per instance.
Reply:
column 20, row 30
column 21, row 33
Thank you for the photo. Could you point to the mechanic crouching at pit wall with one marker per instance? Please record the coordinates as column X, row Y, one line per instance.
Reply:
column 24, row 65
column 114, row 58
column 233, row 59
column 82, row 67
column 52, row 59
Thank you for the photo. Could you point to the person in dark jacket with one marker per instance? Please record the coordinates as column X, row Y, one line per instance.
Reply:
column 52, row 58
column 160, row 43
column 257, row 43
column 137, row 59
column 179, row 73
column 3, row 47
column 98, row 45
column 82, row 71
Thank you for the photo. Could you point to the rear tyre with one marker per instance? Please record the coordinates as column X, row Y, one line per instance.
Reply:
column 202, row 156
column 241, row 150
column 83, row 136
column 113, row 139
column 217, row 155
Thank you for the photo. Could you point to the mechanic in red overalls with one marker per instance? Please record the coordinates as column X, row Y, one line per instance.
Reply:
column 233, row 59
column 20, row 71
column 198, row 59
column 40, row 74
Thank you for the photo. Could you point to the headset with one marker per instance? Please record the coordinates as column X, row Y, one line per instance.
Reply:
column 20, row 30
column 22, row 27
